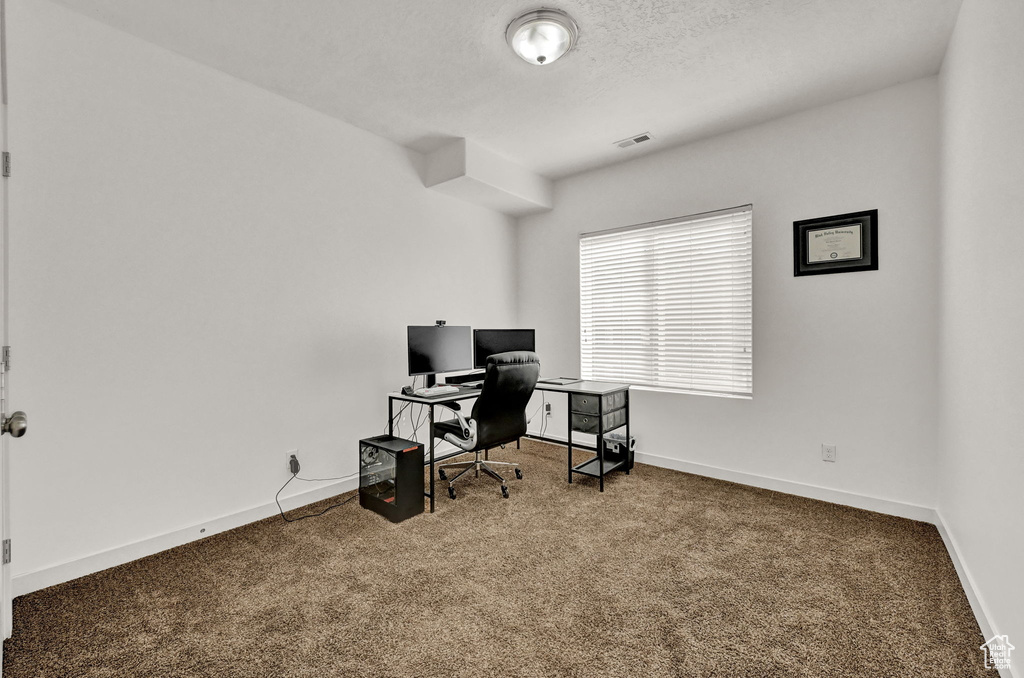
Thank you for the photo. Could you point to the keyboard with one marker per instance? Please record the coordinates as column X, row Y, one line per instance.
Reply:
column 432, row 391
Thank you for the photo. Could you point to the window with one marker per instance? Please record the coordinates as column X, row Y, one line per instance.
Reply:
column 668, row 304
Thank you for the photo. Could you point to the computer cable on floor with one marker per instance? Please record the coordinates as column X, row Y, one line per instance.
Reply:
column 295, row 476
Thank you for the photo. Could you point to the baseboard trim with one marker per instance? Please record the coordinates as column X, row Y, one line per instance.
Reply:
column 861, row 501
column 834, row 496
column 978, row 606
column 28, row 582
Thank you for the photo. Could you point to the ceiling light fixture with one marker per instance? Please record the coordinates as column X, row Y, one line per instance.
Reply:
column 541, row 36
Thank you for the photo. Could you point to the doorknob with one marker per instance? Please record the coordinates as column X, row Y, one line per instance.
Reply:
column 16, row 424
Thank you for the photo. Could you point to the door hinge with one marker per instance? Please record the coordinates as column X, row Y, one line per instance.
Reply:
column 7, row 163
column 5, row 358
column 7, row 551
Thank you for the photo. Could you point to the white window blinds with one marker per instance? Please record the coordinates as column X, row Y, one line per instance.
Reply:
column 668, row 304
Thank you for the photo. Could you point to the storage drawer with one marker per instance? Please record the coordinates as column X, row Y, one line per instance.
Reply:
column 587, row 423
column 588, row 404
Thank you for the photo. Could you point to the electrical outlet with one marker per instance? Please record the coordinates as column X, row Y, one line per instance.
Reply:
column 288, row 456
column 547, row 409
column 828, row 452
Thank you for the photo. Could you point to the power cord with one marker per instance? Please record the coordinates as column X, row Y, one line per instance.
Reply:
column 295, row 476
column 397, row 416
column 534, row 415
column 419, row 423
column 544, row 421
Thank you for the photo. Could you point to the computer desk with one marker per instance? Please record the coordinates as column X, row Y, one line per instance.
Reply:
column 465, row 393
column 601, row 390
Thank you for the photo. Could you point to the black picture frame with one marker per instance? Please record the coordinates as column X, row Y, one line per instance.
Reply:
column 849, row 242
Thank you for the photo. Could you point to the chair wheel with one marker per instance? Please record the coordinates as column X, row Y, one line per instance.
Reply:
column 519, row 474
column 441, row 474
column 451, row 492
column 504, row 491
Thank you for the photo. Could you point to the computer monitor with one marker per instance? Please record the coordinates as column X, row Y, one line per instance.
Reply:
column 489, row 342
column 434, row 349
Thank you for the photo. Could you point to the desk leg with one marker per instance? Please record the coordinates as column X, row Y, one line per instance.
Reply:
column 431, row 430
column 391, row 417
column 626, row 451
column 600, row 442
column 568, row 437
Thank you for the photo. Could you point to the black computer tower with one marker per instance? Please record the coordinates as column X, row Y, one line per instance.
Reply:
column 391, row 477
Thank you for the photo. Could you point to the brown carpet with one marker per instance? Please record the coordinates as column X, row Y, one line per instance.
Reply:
column 665, row 574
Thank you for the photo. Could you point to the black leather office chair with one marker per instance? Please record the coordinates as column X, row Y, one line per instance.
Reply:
column 499, row 415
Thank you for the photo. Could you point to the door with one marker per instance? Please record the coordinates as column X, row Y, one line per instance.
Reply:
column 12, row 423
column 5, row 568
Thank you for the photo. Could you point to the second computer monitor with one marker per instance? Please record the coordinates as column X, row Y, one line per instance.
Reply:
column 490, row 342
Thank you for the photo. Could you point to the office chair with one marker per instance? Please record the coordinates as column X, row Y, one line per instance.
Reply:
column 498, row 418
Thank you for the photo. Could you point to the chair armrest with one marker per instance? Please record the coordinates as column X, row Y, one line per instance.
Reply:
column 457, row 409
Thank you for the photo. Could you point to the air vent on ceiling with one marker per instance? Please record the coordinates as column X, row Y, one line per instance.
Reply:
column 633, row 141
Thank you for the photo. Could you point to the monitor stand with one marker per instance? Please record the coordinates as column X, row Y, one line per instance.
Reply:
column 431, row 380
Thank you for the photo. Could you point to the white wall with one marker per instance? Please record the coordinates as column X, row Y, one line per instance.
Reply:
column 848, row 359
column 203, row 276
column 980, row 497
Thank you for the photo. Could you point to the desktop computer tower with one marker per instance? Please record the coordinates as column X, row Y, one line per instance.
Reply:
column 391, row 477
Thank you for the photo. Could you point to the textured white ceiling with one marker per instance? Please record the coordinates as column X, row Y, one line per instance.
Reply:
column 423, row 72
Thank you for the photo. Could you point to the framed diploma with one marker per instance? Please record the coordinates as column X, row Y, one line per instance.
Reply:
column 838, row 244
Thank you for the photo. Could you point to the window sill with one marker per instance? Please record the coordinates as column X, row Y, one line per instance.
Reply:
column 681, row 391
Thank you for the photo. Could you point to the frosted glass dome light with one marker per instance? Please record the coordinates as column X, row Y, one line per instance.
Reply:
column 541, row 36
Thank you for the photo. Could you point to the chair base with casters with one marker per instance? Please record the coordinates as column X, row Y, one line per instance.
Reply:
column 478, row 464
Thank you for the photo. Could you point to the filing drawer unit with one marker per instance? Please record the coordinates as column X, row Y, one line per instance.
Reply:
column 584, row 403
column 585, row 411
column 391, row 477
column 589, row 423
column 598, row 414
